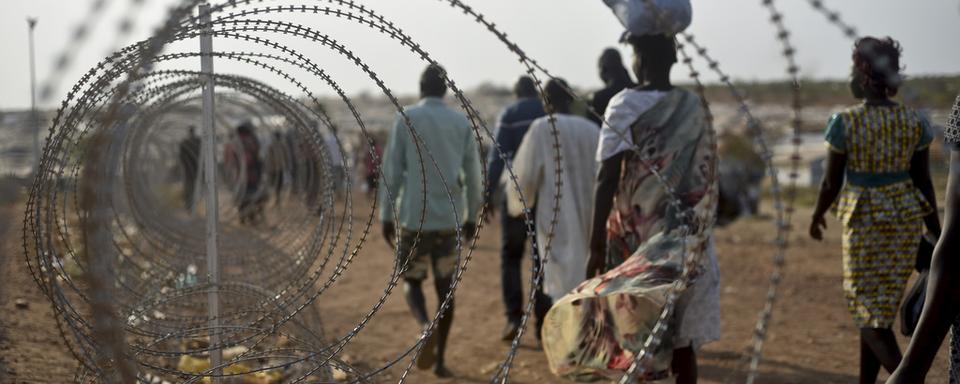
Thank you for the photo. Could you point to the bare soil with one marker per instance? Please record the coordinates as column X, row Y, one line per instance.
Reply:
column 812, row 338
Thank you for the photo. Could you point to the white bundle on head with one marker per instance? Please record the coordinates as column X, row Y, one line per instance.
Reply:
column 652, row 17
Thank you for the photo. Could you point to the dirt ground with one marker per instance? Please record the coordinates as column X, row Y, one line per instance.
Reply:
column 812, row 339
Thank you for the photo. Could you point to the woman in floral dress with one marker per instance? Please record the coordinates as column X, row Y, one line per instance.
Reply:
column 649, row 228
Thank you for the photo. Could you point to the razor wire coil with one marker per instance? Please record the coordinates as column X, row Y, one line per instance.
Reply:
column 269, row 301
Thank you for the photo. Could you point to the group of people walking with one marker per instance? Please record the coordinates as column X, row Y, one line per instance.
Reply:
column 607, row 245
column 620, row 206
column 256, row 172
column 622, row 203
column 623, row 207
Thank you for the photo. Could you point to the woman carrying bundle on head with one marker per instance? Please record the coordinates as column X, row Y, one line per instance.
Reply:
column 880, row 148
column 654, row 213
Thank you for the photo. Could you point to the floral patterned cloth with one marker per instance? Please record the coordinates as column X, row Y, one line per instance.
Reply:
column 595, row 331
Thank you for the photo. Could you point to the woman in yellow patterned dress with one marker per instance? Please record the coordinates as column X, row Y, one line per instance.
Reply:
column 880, row 148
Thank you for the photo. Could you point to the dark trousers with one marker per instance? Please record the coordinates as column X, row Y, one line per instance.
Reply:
column 189, row 185
column 513, row 242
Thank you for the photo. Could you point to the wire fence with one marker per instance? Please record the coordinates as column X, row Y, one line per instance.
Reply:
column 107, row 242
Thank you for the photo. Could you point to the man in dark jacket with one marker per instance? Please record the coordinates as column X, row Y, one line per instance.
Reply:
column 615, row 79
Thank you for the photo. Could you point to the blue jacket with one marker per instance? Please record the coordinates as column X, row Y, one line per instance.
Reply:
column 512, row 126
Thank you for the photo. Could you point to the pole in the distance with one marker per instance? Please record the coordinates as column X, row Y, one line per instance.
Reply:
column 34, row 118
column 210, row 176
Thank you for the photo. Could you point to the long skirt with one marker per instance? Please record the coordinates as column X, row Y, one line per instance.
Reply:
column 878, row 259
column 594, row 332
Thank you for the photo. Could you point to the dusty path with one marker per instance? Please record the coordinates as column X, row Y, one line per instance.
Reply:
column 812, row 339
column 31, row 349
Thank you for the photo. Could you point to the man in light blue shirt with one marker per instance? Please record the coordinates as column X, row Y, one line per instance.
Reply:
column 432, row 186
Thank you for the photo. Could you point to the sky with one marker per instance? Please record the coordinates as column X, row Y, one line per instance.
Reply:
column 565, row 36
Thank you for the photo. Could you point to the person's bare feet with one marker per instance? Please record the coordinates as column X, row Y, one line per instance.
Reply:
column 510, row 331
column 441, row 371
column 428, row 355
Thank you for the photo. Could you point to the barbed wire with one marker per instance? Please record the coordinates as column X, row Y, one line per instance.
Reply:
column 395, row 273
column 93, row 107
column 784, row 222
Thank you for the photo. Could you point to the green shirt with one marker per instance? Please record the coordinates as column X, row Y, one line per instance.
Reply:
column 448, row 148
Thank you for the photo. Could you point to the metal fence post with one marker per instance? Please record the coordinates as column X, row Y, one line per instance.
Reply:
column 210, row 176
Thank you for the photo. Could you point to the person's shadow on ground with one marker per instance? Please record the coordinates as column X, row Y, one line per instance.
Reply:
column 771, row 371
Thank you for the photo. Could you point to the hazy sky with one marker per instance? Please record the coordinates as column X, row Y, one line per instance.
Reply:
column 566, row 36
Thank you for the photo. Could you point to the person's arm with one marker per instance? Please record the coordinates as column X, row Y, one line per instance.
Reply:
column 608, row 181
column 472, row 181
column 595, row 114
column 920, row 173
column 495, row 165
column 832, row 183
column 528, row 167
column 394, row 169
column 942, row 304
column 829, row 190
